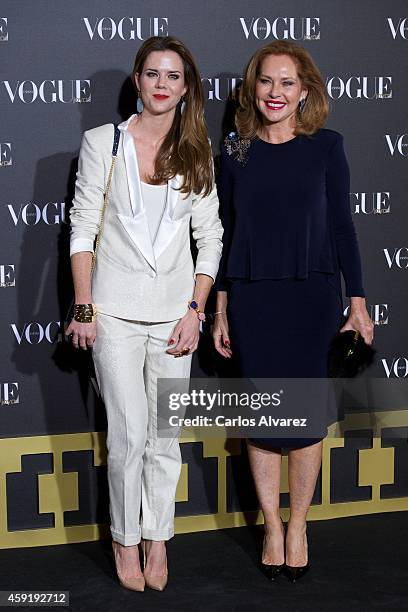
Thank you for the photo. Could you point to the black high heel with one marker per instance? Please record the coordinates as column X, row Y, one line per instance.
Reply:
column 273, row 571
column 296, row 573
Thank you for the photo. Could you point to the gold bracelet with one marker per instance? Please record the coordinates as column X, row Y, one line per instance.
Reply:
column 84, row 313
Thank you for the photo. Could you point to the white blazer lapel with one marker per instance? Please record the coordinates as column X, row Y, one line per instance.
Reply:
column 168, row 226
column 136, row 225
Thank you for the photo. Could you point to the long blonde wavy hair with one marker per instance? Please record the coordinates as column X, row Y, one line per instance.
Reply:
column 185, row 149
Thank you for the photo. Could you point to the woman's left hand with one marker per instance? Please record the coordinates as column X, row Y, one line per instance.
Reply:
column 359, row 320
column 185, row 335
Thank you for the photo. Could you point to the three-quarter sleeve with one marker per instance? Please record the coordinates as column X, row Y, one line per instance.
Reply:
column 225, row 192
column 338, row 193
column 88, row 199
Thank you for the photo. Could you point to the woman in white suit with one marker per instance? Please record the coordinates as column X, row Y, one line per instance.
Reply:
column 141, row 309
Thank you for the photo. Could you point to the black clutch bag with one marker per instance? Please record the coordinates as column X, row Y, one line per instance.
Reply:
column 349, row 355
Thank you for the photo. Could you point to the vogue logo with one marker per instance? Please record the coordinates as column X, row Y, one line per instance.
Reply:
column 398, row 144
column 51, row 213
column 359, row 87
column 5, row 154
column 397, row 257
column 377, row 203
column 7, row 276
column 35, row 333
column 377, row 312
column 49, row 91
column 282, row 28
column 398, row 367
column 400, row 28
column 220, row 88
column 9, row 394
column 3, row 29
column 127, row 28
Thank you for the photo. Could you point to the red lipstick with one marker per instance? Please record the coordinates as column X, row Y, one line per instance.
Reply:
column 160, row 96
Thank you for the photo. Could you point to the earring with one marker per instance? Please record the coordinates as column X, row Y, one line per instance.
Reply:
column 139, row 105
column 183, row 105
column 302, row 103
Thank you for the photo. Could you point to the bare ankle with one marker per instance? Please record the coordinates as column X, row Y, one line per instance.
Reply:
column 123, row 547
column 297, row 525
column 272, row 523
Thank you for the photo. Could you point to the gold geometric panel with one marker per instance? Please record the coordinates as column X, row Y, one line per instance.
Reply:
column 182, row 486
column 284, row 488
column 376, row 467
column 59, row 492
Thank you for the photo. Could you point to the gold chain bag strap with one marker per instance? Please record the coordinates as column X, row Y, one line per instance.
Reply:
column 116, row 138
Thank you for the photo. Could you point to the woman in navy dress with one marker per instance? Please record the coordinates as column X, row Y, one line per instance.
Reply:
column 288, row 235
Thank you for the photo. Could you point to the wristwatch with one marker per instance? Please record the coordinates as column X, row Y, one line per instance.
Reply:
column 194, row 306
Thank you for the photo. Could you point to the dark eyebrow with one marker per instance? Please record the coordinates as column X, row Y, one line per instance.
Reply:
column 265, row 76
column 168, row 72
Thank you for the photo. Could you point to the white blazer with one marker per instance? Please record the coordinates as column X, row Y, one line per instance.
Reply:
column 133, row 278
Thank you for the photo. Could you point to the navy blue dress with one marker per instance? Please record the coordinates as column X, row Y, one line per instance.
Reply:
column 288, row 234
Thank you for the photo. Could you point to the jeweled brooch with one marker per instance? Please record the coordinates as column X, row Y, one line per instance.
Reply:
column 237, row 147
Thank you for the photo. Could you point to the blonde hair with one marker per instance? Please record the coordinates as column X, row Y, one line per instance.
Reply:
column 186, row 149
column 248, row 119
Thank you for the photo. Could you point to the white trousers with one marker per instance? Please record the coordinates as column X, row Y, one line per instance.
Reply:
column 143, row 469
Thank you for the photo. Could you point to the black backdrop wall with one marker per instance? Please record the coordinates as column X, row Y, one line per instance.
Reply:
column 64, row 69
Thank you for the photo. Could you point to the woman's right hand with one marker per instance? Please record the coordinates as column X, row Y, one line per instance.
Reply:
column 221, row 335
column 83, row 334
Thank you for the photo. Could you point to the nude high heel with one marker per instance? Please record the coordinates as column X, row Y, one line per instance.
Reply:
column 156, row 582
column 134, row 584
